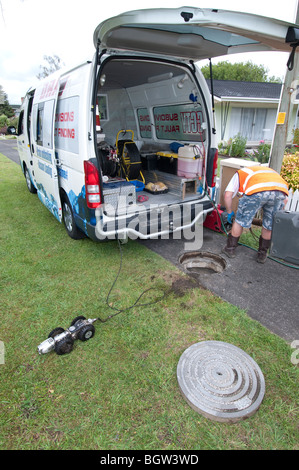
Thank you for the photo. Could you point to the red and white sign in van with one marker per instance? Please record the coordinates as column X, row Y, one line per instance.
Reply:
column 125, row 145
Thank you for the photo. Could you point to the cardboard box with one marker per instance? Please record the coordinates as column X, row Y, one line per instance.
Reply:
column 228, row 167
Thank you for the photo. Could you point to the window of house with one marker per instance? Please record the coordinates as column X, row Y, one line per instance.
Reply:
column 255, row 124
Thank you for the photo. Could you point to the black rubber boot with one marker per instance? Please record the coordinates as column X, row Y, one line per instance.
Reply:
column 264, row 245
column 231, row 245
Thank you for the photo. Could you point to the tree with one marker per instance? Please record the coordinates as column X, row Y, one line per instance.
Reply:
column 3, row 120
column 246, row 72
column 54, row 63
column 5, row 107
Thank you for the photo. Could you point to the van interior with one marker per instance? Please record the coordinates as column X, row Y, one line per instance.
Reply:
column 151, row 132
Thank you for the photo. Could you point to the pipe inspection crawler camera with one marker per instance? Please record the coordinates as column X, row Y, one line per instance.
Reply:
column 62, row 341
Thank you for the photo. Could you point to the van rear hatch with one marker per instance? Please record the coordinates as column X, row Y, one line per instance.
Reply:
column 194, row 33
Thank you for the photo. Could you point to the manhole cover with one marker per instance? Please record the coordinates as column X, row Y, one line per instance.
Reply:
column 220, row 381
column 202, row 262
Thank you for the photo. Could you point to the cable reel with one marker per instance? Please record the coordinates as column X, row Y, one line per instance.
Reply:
column 129, row 157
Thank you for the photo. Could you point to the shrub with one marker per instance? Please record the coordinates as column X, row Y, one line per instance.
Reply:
column 290, row 170
column 3, row 120
column 262, row 153
column 296, row 136
column 235, row 147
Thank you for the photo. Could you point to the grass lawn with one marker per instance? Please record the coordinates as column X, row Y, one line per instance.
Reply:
column 118, row 390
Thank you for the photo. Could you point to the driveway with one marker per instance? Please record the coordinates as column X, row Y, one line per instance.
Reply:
column 268, row 293
column 9, row 149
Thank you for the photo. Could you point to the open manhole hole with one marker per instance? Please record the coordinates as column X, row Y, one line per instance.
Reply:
column 202, row 262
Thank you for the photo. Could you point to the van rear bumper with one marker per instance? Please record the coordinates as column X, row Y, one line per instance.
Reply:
column 145, row 224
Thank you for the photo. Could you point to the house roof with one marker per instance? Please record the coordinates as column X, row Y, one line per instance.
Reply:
column 232, row 90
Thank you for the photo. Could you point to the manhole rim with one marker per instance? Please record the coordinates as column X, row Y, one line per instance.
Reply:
column 213, row 258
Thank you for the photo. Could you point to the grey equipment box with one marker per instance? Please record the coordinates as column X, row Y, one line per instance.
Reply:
column 285, row 236
column 118, row 196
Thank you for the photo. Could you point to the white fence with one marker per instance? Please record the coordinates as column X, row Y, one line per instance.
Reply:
column 293, row 201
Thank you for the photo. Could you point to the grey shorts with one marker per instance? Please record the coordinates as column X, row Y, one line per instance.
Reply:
column 269, row 201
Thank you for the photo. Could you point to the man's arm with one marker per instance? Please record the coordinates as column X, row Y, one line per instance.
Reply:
column 228, row 201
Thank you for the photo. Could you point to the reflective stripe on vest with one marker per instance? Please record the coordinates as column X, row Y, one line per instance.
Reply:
column 255, row 179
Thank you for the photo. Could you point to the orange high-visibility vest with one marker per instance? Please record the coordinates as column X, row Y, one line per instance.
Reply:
column 254, row 179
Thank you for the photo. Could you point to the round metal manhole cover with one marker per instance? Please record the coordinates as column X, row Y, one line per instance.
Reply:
column 202, row 262
column 220, row 381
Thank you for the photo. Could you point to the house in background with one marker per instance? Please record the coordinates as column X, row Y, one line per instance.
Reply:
column 249, row 108
column 16, row 108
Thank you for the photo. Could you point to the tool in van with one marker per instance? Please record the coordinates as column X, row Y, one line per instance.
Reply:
column 129, row 156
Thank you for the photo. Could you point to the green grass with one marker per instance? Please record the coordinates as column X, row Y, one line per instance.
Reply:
column 118, row 390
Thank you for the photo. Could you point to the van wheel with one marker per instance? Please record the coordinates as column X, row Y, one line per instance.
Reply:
column 30, row 186
column 69, row 221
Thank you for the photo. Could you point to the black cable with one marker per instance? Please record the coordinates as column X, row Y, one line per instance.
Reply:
column 118, row 311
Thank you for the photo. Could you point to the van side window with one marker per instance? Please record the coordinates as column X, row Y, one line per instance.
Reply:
column 144, row 123
column 29, row 111
column 39, row 123
column 180, row 122
column 21, row 123
column 44, row 124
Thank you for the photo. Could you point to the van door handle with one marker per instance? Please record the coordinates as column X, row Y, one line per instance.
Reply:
column 32, row 148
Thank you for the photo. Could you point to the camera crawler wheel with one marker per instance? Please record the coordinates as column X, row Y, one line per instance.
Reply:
column 86, row 332
column 55, row 332
column 64, row 346
column 77, row 319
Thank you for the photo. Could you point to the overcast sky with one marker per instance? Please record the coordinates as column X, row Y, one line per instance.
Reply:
column 30, row 29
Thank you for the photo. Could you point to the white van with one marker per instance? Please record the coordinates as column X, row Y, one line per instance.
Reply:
column 113, row 144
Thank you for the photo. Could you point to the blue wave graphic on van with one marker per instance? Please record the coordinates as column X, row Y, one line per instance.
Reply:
column 80, row 209
column 48, row 200
column 78, row 202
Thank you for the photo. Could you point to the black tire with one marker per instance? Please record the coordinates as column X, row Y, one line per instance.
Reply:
column 29, row 183
column 86, row 332
column 69, row 222
column 65, row 346
column 55, row 332
column 77, row 319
